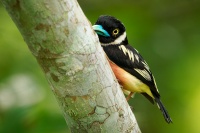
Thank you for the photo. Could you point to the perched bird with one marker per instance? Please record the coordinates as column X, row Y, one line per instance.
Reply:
column 128, row 65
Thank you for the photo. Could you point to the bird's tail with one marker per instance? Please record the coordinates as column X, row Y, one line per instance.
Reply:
column 164, row 111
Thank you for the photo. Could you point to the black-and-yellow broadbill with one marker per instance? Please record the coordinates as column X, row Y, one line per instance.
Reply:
column 129, row 67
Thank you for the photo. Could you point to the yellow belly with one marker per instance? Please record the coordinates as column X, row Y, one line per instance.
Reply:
column 128, row 81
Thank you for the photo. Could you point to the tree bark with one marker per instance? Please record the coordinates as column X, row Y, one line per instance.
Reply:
column 62, row 40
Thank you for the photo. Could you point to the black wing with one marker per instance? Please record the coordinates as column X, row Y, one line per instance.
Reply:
column 130, row 60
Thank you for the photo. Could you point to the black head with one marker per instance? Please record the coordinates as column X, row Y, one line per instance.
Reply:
column 110, row 30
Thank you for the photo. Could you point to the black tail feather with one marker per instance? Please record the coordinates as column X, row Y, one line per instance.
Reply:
column 164, row 111
column 148, row 97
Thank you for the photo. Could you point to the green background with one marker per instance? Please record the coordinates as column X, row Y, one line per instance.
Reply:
column 167, row 34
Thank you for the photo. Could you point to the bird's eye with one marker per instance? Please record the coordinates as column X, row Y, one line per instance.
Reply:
column 115, row 32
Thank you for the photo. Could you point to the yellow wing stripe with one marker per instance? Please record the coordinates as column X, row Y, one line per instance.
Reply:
column 127, row 52
column 143, row 73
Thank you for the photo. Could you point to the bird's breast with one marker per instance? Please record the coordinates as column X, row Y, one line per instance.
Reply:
column 128, row 81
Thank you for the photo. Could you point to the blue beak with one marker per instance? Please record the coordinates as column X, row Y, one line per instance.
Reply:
column 100, row 30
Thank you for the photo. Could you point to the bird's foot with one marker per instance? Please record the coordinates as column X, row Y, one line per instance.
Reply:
column 129, row 96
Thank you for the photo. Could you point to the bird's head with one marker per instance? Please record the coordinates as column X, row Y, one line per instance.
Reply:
column 110, row 30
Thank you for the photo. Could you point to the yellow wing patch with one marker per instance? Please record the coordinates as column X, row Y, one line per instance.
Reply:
column 155, row 83
column 144, row 74
column 127, row 52
column 145, row 65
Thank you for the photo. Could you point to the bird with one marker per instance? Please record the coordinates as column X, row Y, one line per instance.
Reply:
column 129, row 67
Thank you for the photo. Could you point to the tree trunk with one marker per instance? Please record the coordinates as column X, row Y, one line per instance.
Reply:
column 62, row 40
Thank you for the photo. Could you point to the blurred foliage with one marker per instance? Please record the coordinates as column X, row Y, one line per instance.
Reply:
column 167, row 34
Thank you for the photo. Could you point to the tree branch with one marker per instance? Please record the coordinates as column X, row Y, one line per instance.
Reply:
column 60, row 37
